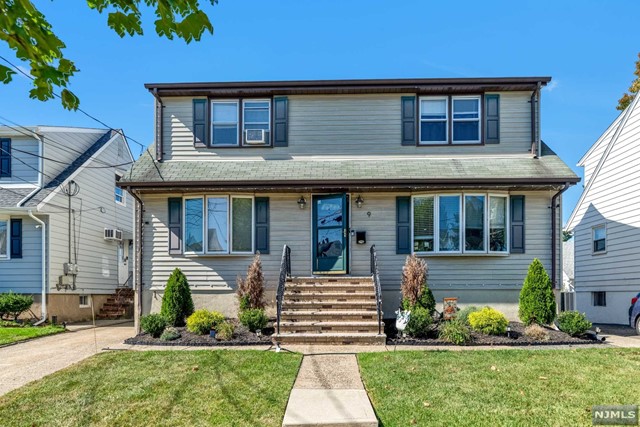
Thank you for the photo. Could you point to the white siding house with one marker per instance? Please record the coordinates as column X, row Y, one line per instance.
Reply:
column 606, row 224
column 39, row 164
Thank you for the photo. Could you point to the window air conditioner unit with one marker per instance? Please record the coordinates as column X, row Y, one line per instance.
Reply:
column 255, row 136
column 112, row 234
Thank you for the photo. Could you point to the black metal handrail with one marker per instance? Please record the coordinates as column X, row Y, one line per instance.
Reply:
column 376, row 285
column 285, row 272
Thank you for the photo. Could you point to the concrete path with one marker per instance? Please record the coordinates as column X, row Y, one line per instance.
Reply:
column 329, row 392
column 31, row 360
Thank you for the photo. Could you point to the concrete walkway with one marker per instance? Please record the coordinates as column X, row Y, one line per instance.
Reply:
column 31, row 360
column 329, row 392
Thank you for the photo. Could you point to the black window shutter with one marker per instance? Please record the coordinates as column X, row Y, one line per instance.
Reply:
column 403, row 225
column 280, row 119
column 492, row 119
column 16, row 238
column 175, row 226
column 5, row 157
column 408, row 120
column 517, row 224
column 200, row 128
column 262, row 225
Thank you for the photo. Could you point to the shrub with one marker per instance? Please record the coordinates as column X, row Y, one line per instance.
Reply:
column 225, row 331
column 488, row 321
column 420, row 323
column 170, row 334
column 536, row 332
column 202, row 321
column 251, row 290
column 12, row 304
column 537, row 301
column 176, row 301
column 455, row 332
column 414, row 277
column 463, row 315
column 573, row 323
column 153, row 324
column 254, row 319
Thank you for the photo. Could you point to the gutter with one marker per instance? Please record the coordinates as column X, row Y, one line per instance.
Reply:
column 137, row 259
column 536, row 148
column 159, row 122
column 554, row 231
column 43, row 304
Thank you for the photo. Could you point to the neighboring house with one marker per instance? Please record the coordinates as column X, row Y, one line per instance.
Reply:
column 450, row 169
column 70, row 267
column 568, row 292
column 605, row 222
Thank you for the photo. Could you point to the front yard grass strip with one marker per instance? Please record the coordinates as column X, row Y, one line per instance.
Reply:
column 9, row 335
column 159, row 388
column 499, row 388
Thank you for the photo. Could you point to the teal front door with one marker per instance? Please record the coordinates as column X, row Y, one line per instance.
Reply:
column 330, row 231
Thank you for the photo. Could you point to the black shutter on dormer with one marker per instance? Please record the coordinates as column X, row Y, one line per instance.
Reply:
column 517, row 224
column 492, row 119
column 175, row 226
column 16, row 238
column 280, row 121
column 5, row 157
column 262, row 225
column 200, row 128
column 403, row 225
column 408, row 104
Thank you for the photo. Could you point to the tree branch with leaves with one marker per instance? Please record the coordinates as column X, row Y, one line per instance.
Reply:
column 27, row 32
column 626, row 99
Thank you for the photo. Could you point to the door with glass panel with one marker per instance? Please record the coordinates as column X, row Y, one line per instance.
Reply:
column 330, row 229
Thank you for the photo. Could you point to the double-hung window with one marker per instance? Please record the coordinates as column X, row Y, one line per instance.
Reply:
column 219, row 225
column 455, row 223
column 119, row 192
column 434, row 120
column 599, row 239
column 450, row 120
column 224, row 123
column 466, row 120
column 256, row 116
column 4, row 238
column 230, row 128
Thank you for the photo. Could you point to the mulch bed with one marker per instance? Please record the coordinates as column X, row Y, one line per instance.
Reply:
column 241, row 336
column 517, row 337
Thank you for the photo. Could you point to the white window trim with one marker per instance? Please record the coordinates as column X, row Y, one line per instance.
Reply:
column 485, row 223
column 244, row 101
column 124, row 198
column 507, row 226
column 184, row 224
column 236, row 102
column 454, row 120
column 205, row 224
column 88, row 305
column 446, row 120
column 7, row 256
column 593, row 239
column 435, row 211
column 461, row 230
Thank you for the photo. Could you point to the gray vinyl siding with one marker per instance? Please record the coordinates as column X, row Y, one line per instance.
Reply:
column 62, row 148
column 450, row 275
column 97, row 258
column 345, row 125
column 24, row 161
column 613, row 200
column 23, row 275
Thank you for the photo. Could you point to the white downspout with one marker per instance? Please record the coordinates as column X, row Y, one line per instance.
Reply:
column 43, row 305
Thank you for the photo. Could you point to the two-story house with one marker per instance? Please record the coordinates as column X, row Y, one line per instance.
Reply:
column 605, row 222
column 65, row 227
column 452, row 170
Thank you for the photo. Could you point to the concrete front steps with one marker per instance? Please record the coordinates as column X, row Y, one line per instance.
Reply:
column 329, row 310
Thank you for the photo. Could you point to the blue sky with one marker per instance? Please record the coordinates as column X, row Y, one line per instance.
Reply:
column 588, row 47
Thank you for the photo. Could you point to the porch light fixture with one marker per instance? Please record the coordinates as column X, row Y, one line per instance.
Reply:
column 302, row 202
column 359, row 201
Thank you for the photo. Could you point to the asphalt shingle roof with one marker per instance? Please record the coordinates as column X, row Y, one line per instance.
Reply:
column 10, row 197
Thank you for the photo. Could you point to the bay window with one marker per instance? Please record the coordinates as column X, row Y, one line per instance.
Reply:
column 467, row 223
column 228, row 224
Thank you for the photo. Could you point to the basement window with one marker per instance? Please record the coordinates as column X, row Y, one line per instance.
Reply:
column 84, row 301
column 599, row 299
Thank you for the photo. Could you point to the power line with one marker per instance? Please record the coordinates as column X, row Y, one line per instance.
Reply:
column 66, row 163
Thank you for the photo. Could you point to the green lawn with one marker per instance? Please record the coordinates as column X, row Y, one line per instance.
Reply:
column 503, row 387
column 159, row 388
column 13, row 334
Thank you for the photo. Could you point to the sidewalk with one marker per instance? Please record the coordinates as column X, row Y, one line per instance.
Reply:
column 31, row 360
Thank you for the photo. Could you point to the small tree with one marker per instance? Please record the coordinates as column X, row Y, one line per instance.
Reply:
column 251, row 290
column 177, row 304
column 414, row 288
column 627, row 97
column 537, row 301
